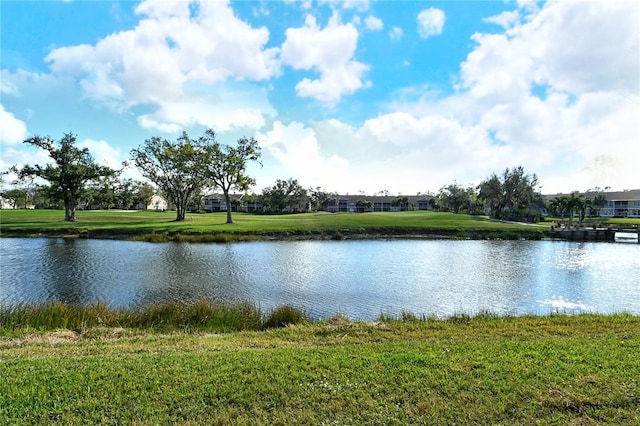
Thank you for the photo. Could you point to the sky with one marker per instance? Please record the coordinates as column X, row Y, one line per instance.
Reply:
column 353, row 96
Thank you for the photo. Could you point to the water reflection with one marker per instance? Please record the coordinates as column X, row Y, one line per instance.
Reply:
column 360, row 279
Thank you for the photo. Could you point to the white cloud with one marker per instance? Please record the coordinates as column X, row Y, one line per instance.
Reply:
column 573, row 47
column 328, row 51
column 406, row 154
column 305, row 4
column 12, row 130
column 171, row 47
column 103, row 153
column 430, row 22
column 556, row 93
column 360, row 5
column 513, row 107
column 7, row 87
column 506, row 19
column 395, row 33
column 229, row 107
column 296, row 148
column 586, row 46
column 20, row 156
column 373, row 23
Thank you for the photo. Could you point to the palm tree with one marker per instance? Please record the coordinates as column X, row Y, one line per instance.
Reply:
column 575, row 203
column 598, row 202
column 560, row 206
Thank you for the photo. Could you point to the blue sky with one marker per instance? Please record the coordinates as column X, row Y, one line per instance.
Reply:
column 353, row 96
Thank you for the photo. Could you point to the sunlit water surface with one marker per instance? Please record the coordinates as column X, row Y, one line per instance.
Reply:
column 359, row 279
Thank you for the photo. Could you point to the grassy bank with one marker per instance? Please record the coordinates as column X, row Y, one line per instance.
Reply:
column 167, row 317
column 158, row 226
column 485, row 370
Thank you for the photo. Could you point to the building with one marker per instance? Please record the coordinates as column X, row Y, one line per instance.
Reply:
column 158, row 203
column 619, row 203
column 381, row 203
column 239, row 203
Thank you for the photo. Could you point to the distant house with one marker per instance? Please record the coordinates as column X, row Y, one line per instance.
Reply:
column 158, row 203
column 7, row 203
column 619, row 203
column 239, row 203
column 10, row 203
column 381, row 203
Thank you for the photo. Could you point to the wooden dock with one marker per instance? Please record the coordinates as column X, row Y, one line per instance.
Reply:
column 628, row 235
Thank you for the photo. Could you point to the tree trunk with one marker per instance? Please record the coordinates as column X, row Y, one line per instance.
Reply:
column 69, row 211
column 181, row 212
column 227, row 200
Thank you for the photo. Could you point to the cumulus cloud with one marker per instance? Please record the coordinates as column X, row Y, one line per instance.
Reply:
column 12, row 130
column 103, row 153
column 174, row 44
column 373, row 23
column 586, row 46
column 519, row 102
column 556, row 92
column 296, row 148
column 430, row 22
column 20, row 156
column 506, row 19
column 360, row 5
column 328, row 51
column 395, row 33
column 228, row 108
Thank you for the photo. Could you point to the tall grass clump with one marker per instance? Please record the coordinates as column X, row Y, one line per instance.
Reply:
column 54, row 315
column 283, row 316
column 198, row 315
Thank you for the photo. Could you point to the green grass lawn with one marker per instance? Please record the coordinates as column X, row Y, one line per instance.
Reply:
column 578, row 370
column 145, row 222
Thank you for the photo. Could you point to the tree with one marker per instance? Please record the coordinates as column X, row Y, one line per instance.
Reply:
column 454, row 198
column 23, row 183
column 104, row 193
column 72, row 169
column 598, row 202
column 177, row 168
column 363, row 205
column 559, row 206
column 512, row 196
column 321, row 200
column 15, row 197
column 490, row 191
column 401, row 202
column 143, row 193
column 125, row 194
column 226, row 166
column 285, row 195
column 575, row 203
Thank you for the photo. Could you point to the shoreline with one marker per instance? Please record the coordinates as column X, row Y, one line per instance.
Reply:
column 324, row 235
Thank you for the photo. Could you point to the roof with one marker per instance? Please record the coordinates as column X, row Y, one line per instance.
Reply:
column 627, row 195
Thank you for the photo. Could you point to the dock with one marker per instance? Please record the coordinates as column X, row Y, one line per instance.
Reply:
column 609, row 234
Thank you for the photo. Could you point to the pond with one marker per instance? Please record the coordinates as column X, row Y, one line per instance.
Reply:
column 359, row 279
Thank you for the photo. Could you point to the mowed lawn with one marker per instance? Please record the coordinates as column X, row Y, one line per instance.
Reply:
column 136, row 222
column 574, row 370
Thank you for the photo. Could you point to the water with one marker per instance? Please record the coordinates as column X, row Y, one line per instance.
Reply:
column 359, row 279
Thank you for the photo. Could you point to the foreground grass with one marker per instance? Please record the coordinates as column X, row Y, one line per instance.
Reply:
column 484, row 370
column 159, row 226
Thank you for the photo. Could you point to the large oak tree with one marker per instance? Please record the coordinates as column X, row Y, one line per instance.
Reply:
column 178, row 169
column 68, row 175
column 227, row 165
column 182, row 169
